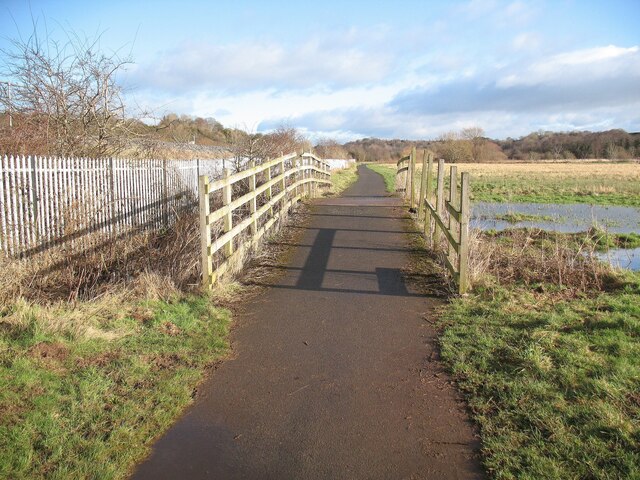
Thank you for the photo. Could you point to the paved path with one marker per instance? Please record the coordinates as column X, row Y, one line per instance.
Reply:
column 333, row 375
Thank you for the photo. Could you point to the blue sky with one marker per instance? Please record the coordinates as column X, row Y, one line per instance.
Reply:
column 401, row 69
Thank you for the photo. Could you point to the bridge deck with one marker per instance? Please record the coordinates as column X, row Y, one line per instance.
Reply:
column 334, row 373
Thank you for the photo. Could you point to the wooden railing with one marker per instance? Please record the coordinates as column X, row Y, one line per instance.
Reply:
column 441, row 213
column 269, row 190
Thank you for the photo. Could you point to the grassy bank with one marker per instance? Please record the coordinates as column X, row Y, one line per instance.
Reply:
column 547, row 351
column 343, row 179
column 552, row 380
column 388, row 174
column 574, row 182
column 85, row 388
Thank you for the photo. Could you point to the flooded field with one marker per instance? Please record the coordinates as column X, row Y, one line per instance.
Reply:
column 571, row 218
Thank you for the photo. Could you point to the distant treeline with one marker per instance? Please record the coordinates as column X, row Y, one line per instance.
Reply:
column 471, row 145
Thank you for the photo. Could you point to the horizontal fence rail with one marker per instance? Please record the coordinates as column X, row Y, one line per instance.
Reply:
column 443, row 214
column 250, row 202
column 74, row 203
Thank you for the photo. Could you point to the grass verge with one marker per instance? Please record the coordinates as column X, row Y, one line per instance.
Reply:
column 547, row 351
column 343, row 179
column 85, row 388
column 388, row 174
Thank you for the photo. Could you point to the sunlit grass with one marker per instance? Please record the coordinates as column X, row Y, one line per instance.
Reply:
column 388, row 174
column 86, row 403
column 592, row 183
column 552, row 382
column 343, row 179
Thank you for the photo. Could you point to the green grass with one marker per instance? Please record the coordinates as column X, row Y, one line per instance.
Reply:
column 537, row 189
column 552, row 384
column 603, row 241
column 343, row 179
column 388, row 174
column 85, row 403
column 524, row 217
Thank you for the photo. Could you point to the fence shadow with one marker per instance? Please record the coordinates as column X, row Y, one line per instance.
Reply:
column 313, row 274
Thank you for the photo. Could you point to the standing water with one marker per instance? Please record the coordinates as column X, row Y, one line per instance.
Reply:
column 571, row 218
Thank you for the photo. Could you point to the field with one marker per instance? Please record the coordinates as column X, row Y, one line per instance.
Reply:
column 546, row 346
column 572, row 182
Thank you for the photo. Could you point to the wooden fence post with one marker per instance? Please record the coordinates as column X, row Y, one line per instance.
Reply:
column 252, row 202
column 406, row 177
column 283, row 184
column 428, row 195
column 453, row 194
column 423, row 182
column 439, row 201
column 412, row 169
column 463, row 254
column 314, row 174
column 205, row 232
column 228, row 216
column 269, row 191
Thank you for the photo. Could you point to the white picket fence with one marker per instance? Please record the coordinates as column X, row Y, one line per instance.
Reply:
column 73, row 202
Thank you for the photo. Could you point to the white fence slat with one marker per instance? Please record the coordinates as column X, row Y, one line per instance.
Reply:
column 47, row 201
column 4, row 246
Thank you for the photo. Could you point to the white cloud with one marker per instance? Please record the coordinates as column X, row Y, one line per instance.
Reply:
column 343, row 59
column 430, row 95
column 526, row 41
column 577, row 66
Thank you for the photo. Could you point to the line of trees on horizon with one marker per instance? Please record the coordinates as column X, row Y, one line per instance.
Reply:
column 471, row 145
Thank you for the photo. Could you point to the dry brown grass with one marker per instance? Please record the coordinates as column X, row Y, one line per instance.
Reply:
column 535, row 258
column 548, row 169
column 568, row 169
column 153, row 264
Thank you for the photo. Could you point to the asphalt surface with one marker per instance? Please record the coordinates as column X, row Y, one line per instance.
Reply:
column 335, row 372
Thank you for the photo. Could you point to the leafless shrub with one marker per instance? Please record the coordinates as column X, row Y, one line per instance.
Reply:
column 64, row 97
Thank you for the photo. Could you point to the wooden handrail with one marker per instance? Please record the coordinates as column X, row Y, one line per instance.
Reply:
column 308, row 171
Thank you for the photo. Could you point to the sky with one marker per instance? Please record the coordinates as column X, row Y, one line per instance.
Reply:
column 353, row 69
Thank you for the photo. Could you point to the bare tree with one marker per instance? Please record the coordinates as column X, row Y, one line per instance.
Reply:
column 453, row 148
column 65, row 96
column 475, row 136
column 258, row 147
column 329, row 148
